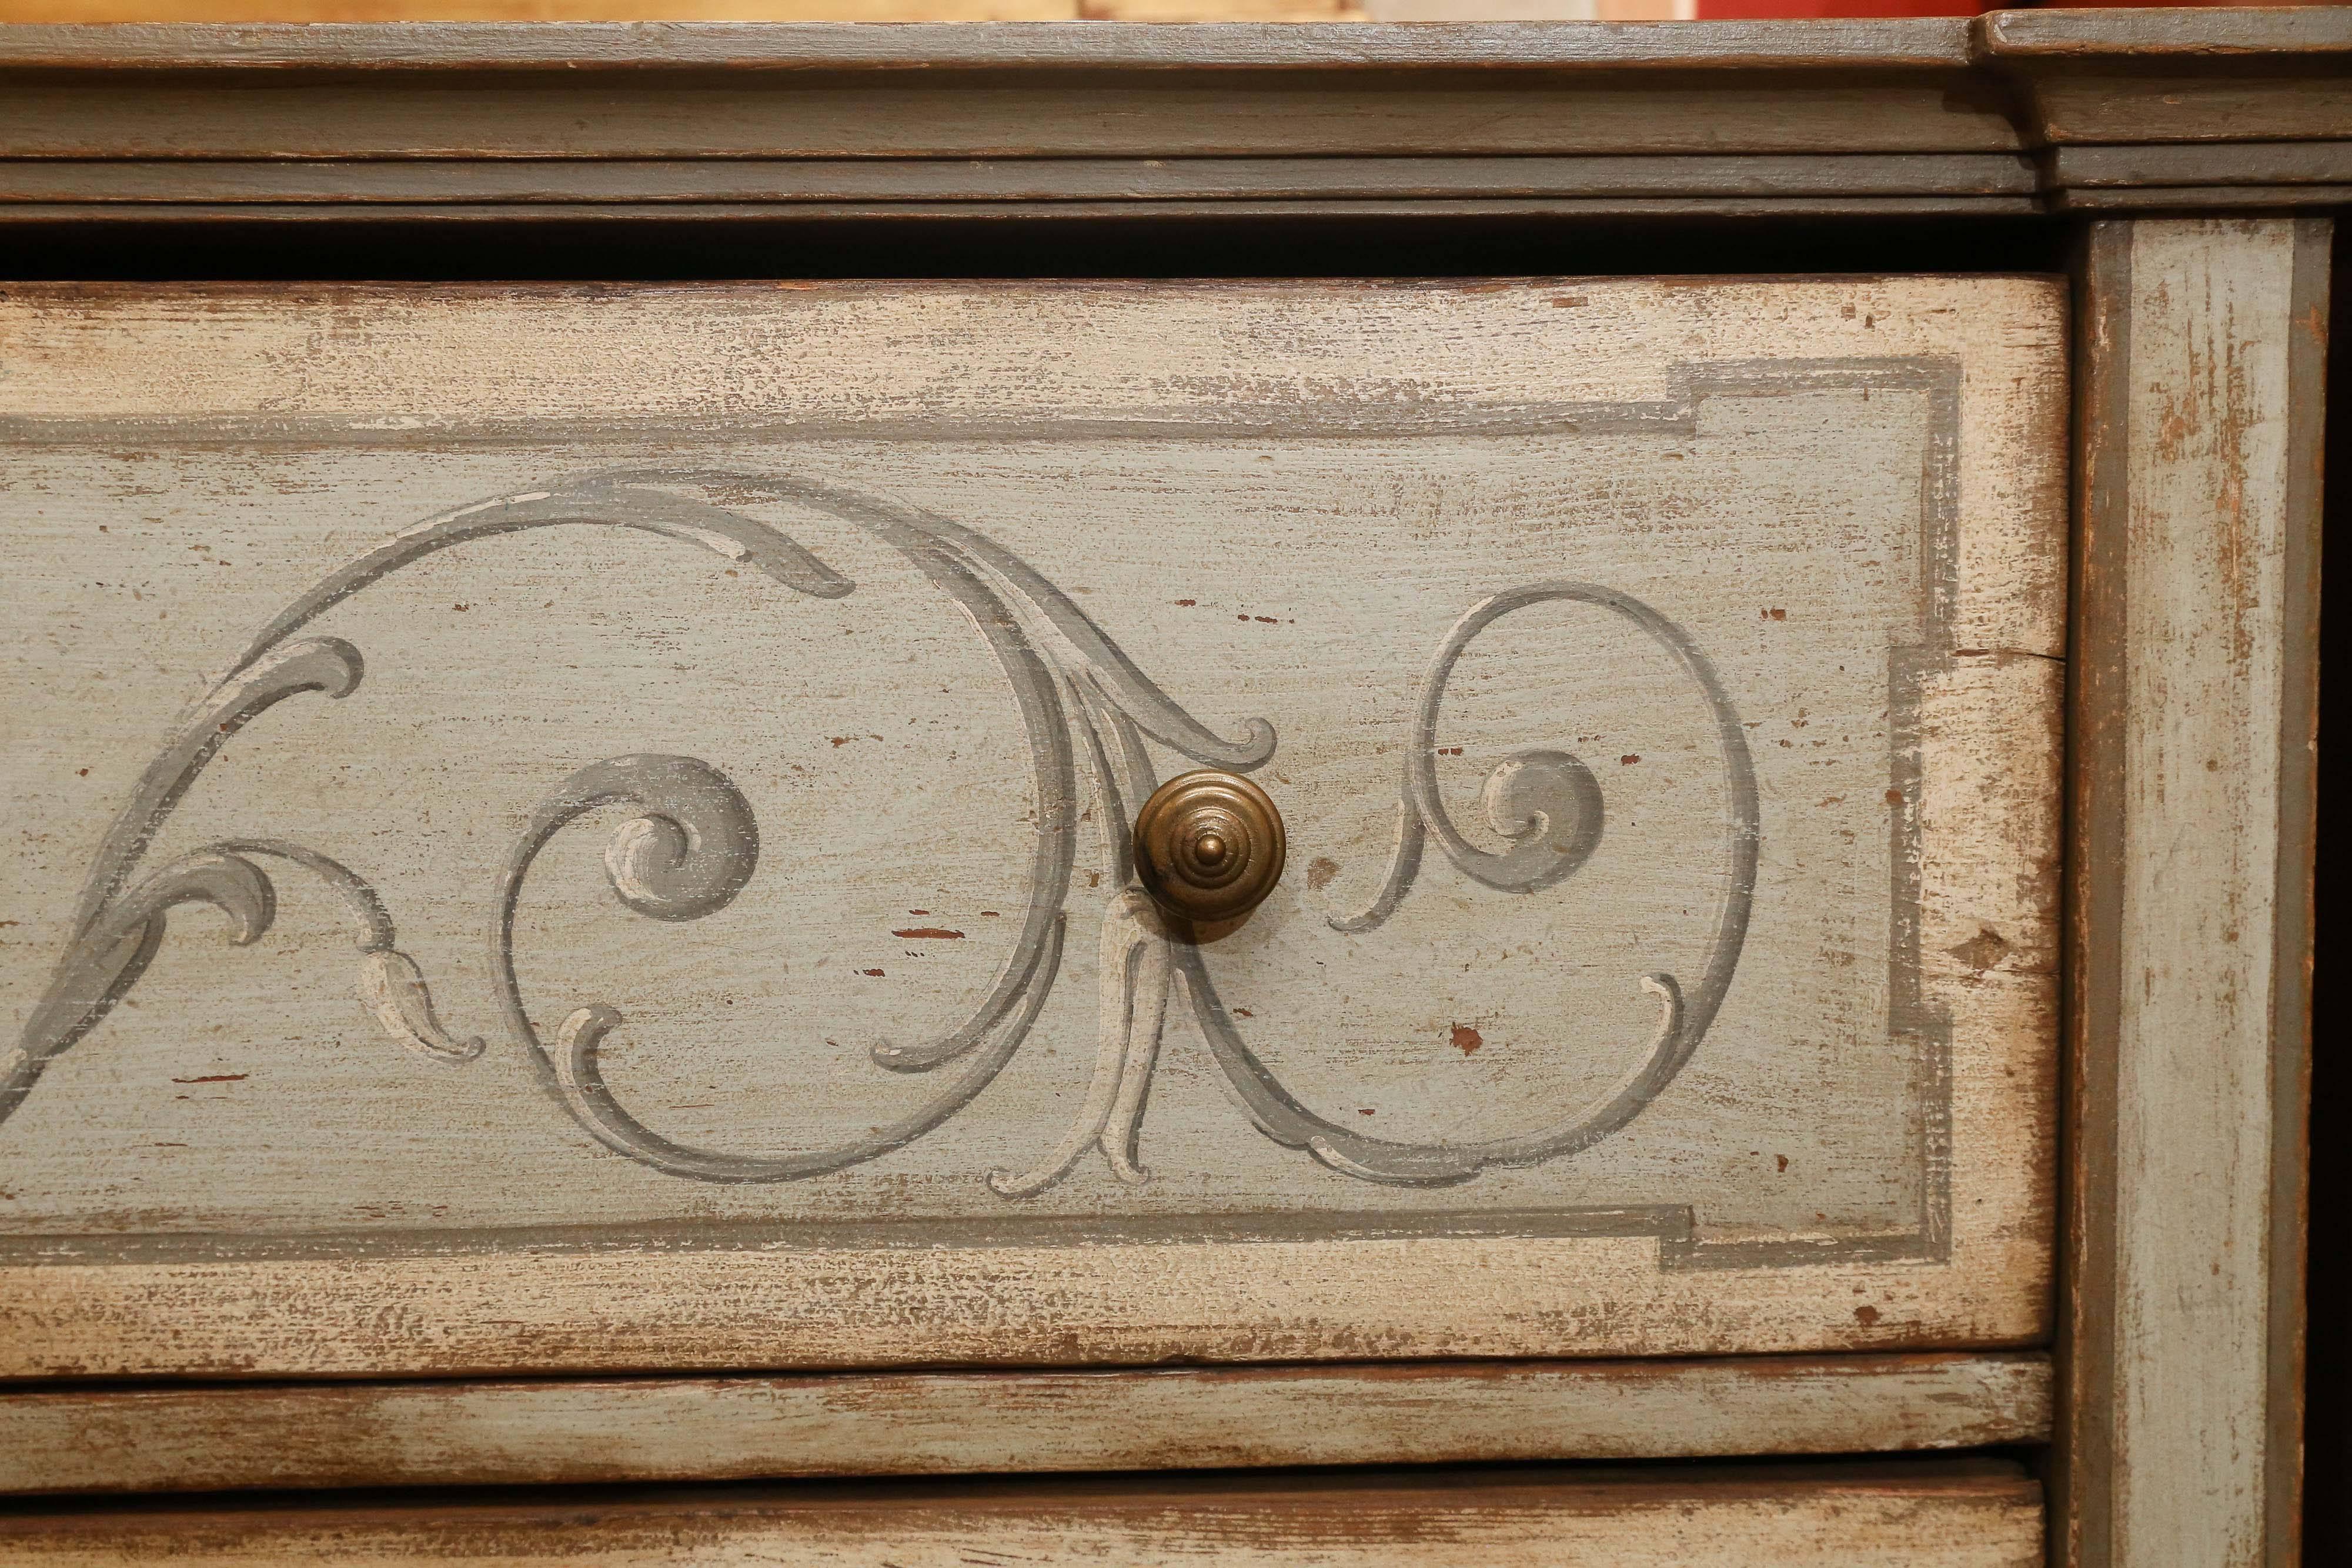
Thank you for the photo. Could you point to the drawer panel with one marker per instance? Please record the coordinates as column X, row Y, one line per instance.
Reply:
column 717, row 715
column 1953, row 1515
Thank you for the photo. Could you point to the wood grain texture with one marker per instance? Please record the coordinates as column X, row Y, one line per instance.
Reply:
column 1919, row 1515
column 682, row 1429
column 289, row 1193
column 2194, row 732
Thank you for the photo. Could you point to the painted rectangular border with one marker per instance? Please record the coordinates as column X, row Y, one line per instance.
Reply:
column 1917, row 1025
column 544, row 1305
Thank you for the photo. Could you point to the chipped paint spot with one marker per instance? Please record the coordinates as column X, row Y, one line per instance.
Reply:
column 1320, row 872
column 1467, row 1039
column 1982, row 951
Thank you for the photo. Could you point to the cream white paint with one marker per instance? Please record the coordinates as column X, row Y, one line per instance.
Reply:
column 2208, row 422
column 1277, row 500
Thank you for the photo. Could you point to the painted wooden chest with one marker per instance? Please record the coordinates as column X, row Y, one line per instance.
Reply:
column 1357, row 747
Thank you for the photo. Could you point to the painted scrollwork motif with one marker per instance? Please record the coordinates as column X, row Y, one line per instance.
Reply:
column 688, row 843
column 1546, row 805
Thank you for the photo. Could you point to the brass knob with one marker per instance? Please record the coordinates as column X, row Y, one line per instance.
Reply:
column 1209, row 846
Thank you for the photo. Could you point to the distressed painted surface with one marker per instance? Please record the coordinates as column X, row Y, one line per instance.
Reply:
column 1763, row 577
column 2216, row 429
column 543, row 1431
column 1952, row 1515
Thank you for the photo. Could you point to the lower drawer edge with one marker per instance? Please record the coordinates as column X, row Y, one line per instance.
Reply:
column 1968, row 1513
column 657, row 1429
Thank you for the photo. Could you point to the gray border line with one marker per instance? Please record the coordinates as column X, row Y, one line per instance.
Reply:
column 1911, row 1017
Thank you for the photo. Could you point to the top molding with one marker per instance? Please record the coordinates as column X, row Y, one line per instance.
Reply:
column 1927, row 43
column 2015, row 112
column 2166, row 33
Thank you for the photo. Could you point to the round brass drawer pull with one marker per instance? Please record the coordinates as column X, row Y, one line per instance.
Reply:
column 1209, row 845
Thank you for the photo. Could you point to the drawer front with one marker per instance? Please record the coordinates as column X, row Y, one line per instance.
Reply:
column 664, row 762
column 1922, row 1515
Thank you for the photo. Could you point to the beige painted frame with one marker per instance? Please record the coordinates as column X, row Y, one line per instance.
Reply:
column 1971, row 1271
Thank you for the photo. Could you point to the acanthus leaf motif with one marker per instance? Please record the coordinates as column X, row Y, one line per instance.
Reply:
column 690, row 842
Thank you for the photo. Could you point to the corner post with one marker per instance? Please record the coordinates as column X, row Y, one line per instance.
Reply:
column 2192, row 728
